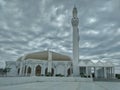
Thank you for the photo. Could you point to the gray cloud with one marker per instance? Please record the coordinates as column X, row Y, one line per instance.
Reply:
column 29, row 26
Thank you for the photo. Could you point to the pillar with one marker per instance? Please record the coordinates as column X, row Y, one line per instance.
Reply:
column 65, row 70
column 32, row 73
column 113, row 72
column 105, row 76
column 34, row 70
column 95, row 72
column 26, row 70
column 21, row 67
column 55, row 69
column 90, row 72
column 87, row 71
column 49, row 61
column 43, row 67
column 110, row 72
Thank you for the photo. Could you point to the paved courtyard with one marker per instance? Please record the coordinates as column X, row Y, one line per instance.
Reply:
column 64, row 86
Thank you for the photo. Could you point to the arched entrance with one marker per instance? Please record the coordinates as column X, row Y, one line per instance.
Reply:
column 38, row 70
column 25, row 70
column 18, row 71
column 29, row 71
column 68, row 72
column 52, row 71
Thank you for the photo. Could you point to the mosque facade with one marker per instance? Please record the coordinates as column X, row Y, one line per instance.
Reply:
column 49, row 63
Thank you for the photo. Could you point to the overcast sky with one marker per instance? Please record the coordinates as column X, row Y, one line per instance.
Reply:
column 36, row 25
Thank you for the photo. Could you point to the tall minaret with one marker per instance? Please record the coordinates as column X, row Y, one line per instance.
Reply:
column 75, row 22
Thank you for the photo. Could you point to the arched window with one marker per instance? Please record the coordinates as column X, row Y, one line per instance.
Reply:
column 18, row 71
column 38, row 70
column 46, row 71
column 29, row 71
column 68, row 72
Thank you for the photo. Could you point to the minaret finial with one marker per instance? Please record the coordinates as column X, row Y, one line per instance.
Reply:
column 74, row 11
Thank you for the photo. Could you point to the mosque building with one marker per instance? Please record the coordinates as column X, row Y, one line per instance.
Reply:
column 49, row 63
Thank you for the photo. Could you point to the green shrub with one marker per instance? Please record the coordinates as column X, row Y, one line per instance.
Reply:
column 59, row 75
column 49, row 74
column 117, row 76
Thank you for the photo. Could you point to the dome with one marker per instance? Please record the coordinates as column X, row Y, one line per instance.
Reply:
column 44, row 56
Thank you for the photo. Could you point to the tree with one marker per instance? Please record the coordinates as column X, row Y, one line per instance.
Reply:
column 4, row 71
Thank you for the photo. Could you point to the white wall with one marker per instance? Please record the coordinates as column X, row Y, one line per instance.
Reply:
column 60, row 69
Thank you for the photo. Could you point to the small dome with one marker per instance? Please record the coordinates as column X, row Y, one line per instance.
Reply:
column 44, row 56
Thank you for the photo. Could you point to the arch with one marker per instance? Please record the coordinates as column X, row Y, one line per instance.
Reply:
column 52, row 71
column 46, row 70
column 38, row 70
column 68, row 72
column 18, row 71
column 29, row 71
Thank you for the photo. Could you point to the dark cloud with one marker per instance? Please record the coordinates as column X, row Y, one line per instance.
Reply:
column 36, row 25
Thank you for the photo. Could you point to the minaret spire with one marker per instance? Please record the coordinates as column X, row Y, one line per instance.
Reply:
column 75, row 22
column 74, row 11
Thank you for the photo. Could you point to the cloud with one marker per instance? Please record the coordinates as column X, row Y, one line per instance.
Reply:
column 29, row 26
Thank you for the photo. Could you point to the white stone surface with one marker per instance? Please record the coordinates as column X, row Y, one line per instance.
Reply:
column 64, row 86
column 21, row 80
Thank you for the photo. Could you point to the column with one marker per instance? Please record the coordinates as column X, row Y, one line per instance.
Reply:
column 65, row 72
column 35, row 70
column 21, row 65
column 32, row 73
column 90, row 72
column 105, row 76
column 87, row 71
column 107, row 72
column 42, row 69
column 113, row 72
column 23, row 69
column 110, row 72
column 26, row 71
column 55, row 69
column 95, row 68
column 49, row 61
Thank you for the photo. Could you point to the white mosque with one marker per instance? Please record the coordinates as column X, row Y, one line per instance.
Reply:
column 49, row 63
